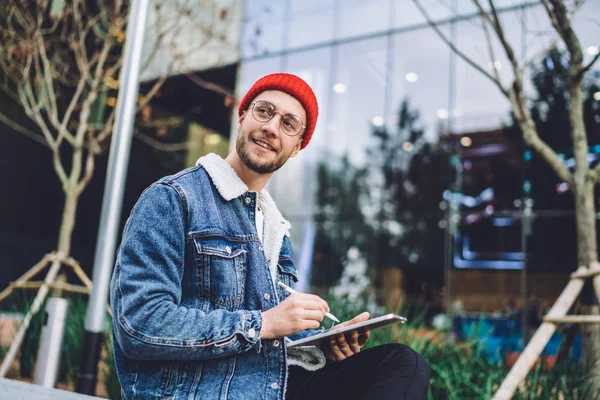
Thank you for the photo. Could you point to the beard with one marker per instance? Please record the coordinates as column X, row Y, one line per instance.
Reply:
column 252, row 161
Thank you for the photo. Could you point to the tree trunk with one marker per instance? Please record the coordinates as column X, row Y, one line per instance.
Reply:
column 68, row 221
column 588, row 257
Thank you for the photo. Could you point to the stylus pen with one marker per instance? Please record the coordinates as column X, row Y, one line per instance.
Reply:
column 290, row 290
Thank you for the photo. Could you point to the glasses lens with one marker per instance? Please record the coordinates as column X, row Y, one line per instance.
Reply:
column 263, row 111
column 291, row 125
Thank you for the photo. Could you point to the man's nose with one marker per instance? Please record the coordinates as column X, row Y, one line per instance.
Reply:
column 274, row 124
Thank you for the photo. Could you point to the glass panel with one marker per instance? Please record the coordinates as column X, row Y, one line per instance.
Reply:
column 263, row 30
column 358, row 97
column 407, row 13
column 420, row 77
column 311, row 22
column 479, row 103
column 361, row 17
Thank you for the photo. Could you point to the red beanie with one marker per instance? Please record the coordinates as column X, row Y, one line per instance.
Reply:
column 295, row 87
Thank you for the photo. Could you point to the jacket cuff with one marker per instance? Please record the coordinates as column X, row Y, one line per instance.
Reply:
column 252, row 327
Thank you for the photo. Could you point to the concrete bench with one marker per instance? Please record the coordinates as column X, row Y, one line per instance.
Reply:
column 16, row 390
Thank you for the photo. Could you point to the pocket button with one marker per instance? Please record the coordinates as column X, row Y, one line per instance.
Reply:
column 267, row 296
column 228, row 249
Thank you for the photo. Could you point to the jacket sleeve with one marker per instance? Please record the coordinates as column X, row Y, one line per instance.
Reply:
column 146, row 289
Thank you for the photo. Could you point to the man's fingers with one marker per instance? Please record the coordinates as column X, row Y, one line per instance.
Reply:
column 353, row 341
column 314, row 305
column 314, row 299
column 344, row 347
column 362, row 339
column 336, row 352
column 315, row 315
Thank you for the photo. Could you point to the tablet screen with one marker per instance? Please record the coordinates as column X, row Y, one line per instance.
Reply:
column 371, row 324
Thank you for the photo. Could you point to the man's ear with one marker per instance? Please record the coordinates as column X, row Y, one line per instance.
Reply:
column 296, row 148
column 241, row 119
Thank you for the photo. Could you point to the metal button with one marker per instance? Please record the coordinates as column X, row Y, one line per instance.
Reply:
column 228, row 249
column 267, row 296
column 248, row 200
column 251, row 332
column 276, row 343
column 274, row 385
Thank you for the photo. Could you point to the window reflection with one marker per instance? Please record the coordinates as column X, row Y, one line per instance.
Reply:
column 421, row 65
column 311, row 21
column 407, row 13
column 359, row 17
column 263, row 29
column 361, row 69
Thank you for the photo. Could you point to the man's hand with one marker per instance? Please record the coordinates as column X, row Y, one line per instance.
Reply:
column 347, row 345
column 298, row 312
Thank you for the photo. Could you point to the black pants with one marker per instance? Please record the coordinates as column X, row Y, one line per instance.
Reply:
column 391, row 371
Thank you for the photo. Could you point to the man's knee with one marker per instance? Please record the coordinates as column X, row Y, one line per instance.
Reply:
column 401, row 357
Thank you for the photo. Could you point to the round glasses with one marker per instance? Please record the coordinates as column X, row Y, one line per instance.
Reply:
column 263, row 111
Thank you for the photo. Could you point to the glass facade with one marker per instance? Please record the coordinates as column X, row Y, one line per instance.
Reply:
column 404, row 123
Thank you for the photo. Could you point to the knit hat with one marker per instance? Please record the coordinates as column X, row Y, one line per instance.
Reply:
column 295, row 87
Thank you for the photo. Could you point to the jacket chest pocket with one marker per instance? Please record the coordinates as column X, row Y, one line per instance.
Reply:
column 286, row 273
column 221, row 271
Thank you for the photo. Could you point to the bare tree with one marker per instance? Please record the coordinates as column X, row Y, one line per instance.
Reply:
column 60, row 62
column 582, row 180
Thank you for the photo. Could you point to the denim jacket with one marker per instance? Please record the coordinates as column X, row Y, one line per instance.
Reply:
column 191, row 279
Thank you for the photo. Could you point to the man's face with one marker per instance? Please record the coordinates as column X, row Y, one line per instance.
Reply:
column 262, row 146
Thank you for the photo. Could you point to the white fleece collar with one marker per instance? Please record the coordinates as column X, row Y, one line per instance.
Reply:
column 230, row 186
column 224, row 177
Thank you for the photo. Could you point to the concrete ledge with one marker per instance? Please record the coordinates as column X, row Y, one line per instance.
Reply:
column 17, row 390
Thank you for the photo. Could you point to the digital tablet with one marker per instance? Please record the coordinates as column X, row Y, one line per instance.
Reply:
column 371, row 324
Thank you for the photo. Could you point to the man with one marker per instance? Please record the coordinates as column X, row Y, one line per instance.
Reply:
column 197, row 309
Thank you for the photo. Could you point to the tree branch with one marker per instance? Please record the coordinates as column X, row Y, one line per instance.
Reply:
column 488, row 40
column 24, row 131
column 457, row 51
column 209, row 85
column 90, row 163
column 49, row 80
column 166, row 147
column 560, row 19
column 587, row 67
column 32, row 111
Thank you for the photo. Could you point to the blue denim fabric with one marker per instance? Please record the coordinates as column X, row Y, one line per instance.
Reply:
column 190, row 281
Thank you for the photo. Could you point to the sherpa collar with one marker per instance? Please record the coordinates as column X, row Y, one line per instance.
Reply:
column 226, row 180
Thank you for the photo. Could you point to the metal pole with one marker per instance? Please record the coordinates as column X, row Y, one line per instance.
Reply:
column 526, row 228
column 113, row 197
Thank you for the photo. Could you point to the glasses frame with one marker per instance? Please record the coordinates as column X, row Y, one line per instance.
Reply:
column 282, row 117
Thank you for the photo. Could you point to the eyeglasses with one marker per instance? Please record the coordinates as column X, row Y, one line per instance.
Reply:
column 263, row 111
